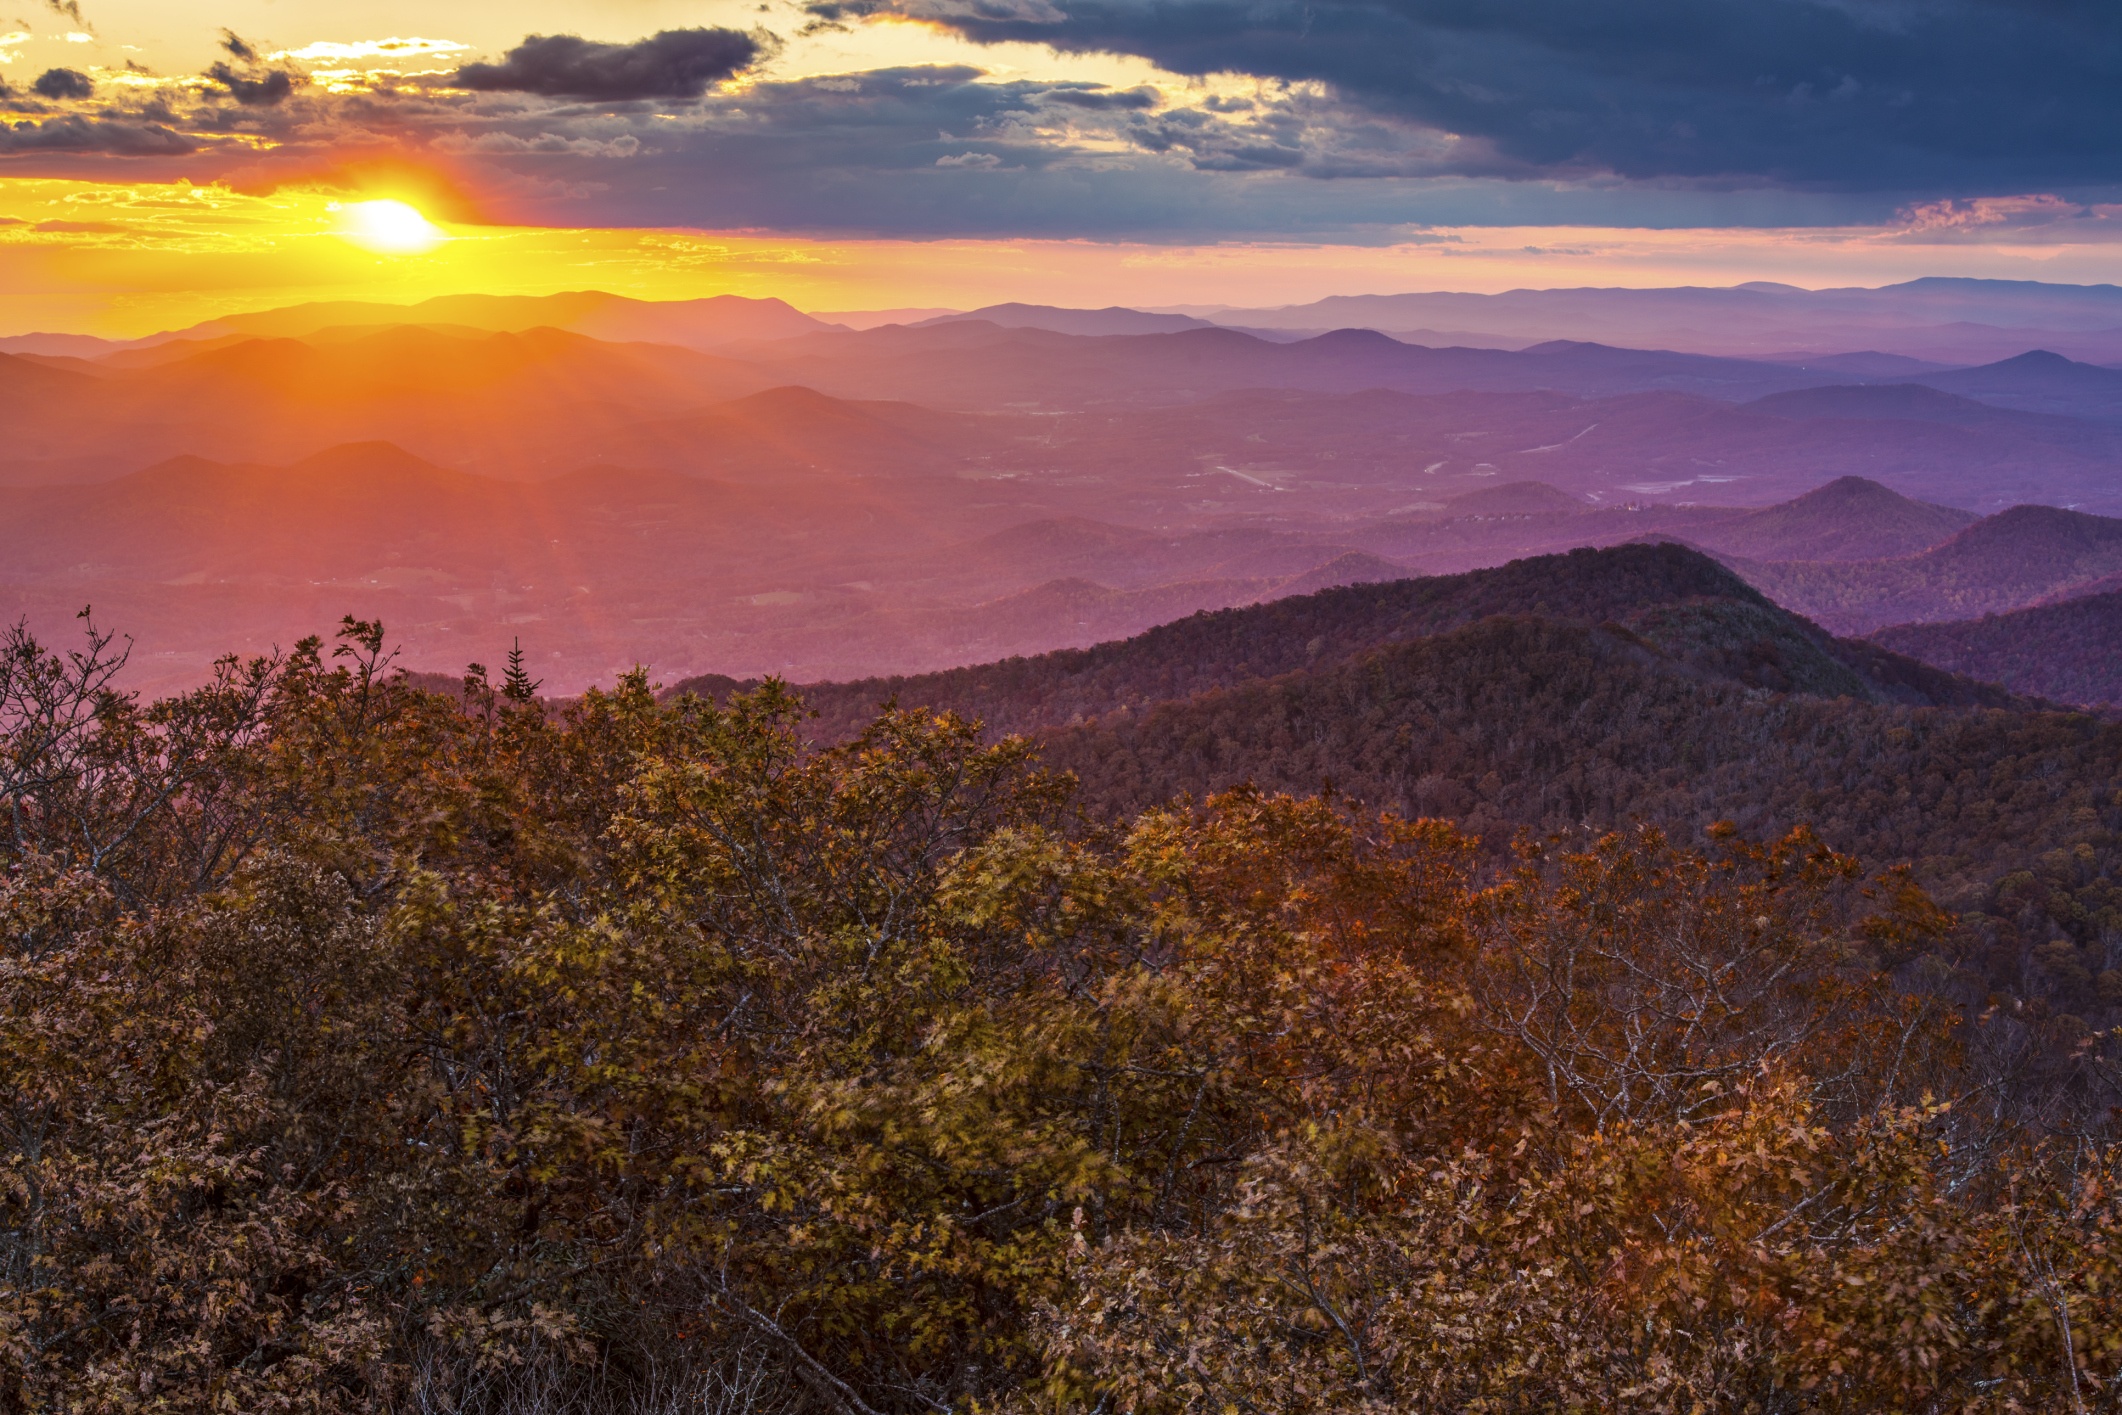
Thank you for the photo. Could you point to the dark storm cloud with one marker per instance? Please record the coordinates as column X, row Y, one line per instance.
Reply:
column 1103, row 99
column 255, row 85
column 675, row 64
column 945, row 151
column 108, row 137
column 260, row 88
column 64, row 84
column 1946, row 95
column 939, row 151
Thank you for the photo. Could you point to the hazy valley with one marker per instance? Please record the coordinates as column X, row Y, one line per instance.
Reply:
column 734, row 487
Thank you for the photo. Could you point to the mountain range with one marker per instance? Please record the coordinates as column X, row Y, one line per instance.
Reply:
column 1345, row 424
column 1947, row 320
column 732, row 485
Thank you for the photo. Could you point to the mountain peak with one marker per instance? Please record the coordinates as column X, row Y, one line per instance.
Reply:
column 1518, row 498
column 2036, row 358
column 1853, row 491
column 1113, row 319
column 363, row 458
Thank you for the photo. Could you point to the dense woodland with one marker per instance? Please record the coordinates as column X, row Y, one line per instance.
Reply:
column 2018, row 557
column 2012, row 817
column 370, row 1048
column 1753, row 641
column 2065, row 651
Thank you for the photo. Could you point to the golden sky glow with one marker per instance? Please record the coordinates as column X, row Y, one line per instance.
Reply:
column 346, row 39
column 129, row 260
column 386, row 226
column 366, row 180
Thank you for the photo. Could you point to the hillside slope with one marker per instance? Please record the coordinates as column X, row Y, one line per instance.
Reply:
column 1850, row 518
column 1589, row 690
column 2003, row 562
column 2070, row 652
column 534, row 403
column 1679, row 604
column 1524, row 723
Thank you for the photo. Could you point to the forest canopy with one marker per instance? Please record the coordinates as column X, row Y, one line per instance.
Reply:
column 368, row 1048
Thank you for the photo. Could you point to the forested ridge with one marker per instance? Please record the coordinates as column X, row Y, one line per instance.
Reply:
column 368, row 1048
column 1756, row 640
column 2066, row 651
column 2013, row 818
column 2018, row 557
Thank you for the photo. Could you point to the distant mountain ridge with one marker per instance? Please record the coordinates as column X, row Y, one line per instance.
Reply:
column 967, row 363
column 1963, row 321
column 706, row 323
column 541, row 399
column 2039, row 381
column 1114, row 319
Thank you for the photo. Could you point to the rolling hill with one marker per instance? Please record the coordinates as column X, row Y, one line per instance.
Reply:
column 791, row 567
column 792, row 432
column 1114, row 319
column 2068, row 652
column 973, row 363
column 695, row 324
column 1381, row 452
column 1642, row 684
column 1687, row 607
column 2039, row 382
column 531, row 403
column 1159, row 429
column 1949, row 320
column 1850, row 518
column 2003, row 562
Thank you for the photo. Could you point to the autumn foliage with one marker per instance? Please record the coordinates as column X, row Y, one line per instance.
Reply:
column 366, row 1048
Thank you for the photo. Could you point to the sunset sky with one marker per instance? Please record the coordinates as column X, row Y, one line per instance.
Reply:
column 161, row 163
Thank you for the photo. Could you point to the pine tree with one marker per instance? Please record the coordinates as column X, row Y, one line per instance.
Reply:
column 516, row 684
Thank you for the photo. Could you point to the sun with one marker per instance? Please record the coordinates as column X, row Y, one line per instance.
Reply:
column 388, row 227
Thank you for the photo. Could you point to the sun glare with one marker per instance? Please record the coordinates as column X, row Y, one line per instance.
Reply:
column 388, row 227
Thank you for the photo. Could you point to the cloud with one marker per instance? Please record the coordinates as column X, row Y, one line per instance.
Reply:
column 256, row 84
column 949, row 150
column 939, row 150
column 675, row 64
column 108, row 137
column 1986, row 213
column 545, row 143
column 1103, row 98
column 334, row 51
column 955, row 150
column 59, row 84
column 1959, row 97
column 258, row 89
